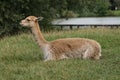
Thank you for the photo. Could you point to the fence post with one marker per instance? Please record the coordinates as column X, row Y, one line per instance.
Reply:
column 61, row 27
column 71, row 27
column 78, row 27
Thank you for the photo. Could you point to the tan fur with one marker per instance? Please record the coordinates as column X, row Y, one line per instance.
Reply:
column 63, row 48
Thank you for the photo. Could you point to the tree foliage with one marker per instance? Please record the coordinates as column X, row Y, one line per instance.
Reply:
column 12, row 11
column 114, row 4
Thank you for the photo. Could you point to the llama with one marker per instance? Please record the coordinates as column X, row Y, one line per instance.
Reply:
column 62, row 48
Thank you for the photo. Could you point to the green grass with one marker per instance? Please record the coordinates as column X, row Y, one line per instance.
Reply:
column 116, row 13
column 21, row 58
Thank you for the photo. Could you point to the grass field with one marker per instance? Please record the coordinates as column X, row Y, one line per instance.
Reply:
column 21, row 59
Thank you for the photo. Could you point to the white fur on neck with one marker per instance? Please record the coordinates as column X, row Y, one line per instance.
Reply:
column 47, row 53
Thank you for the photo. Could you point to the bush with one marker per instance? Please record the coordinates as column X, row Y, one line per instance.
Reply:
column 13, row 11
column 94, row 7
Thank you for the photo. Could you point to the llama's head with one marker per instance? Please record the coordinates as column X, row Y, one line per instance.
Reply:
column 30, row 21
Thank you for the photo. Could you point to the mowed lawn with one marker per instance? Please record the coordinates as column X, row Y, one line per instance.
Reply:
column 21, row 58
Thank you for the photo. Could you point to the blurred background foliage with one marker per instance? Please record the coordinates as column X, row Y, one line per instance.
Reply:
column 12, row 11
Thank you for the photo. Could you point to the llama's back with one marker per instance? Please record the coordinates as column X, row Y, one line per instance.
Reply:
column 75, row 48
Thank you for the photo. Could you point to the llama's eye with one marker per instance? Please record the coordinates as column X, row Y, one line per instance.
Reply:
column 27, row 19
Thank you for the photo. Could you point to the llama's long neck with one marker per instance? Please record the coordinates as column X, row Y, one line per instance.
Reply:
column 38, row 35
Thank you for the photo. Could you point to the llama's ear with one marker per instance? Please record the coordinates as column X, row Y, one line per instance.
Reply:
column 39, row 18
